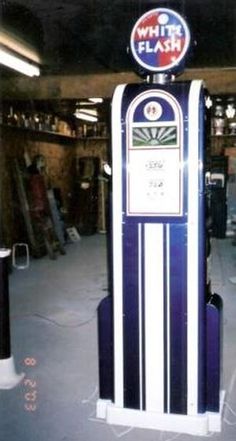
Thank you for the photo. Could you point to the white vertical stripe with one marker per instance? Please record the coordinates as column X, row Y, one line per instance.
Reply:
column 192, row 266
column 117, row 245
column 140, row 251
column 168, row 313
column 154, row 311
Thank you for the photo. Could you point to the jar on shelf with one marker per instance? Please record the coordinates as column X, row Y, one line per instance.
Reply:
column 22, row 120
column 231, row 116
column 232, row 128
column 218, row 121
column 12, row 117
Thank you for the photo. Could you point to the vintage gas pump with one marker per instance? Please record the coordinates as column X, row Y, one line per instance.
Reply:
column 159, row 331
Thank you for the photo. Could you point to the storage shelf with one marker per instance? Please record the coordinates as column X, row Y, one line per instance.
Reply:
column 37, row 132
column 50, row 134
column 223, row 136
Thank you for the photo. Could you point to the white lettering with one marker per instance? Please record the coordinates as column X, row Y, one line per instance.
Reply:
column 158, row 47
column 159, row 31
column 153, row 31
column 141, row 46
column 178, row 31
column 149, row 49
column 170, row 30
column 169, row 45
column 175, row 44
column 142, row 32
column 162, row 33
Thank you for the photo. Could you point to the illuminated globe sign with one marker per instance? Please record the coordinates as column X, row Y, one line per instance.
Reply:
column 159, row 40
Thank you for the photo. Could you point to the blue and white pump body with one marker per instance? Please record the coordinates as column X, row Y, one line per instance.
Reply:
column 159, row 333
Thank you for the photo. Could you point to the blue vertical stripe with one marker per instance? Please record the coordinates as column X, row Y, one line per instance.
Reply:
column 131, row 316
column 178, row 319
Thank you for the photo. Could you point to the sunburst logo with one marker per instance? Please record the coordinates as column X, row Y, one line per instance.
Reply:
column 154, row 136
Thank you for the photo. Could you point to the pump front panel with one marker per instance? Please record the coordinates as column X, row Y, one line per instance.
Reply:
column 158, row 248
column 154, row 155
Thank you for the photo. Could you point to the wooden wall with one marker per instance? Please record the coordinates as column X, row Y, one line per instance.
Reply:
column 218, row 81
column 61, row 159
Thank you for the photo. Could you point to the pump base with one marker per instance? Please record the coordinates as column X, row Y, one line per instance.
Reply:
column 8, row 376
column 200, row 424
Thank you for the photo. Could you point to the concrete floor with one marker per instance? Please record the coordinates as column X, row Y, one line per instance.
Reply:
column 54, row 342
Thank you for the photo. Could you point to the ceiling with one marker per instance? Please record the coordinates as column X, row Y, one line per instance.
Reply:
column 91, row 36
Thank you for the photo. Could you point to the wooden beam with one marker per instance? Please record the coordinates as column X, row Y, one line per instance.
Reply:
column 218, row 81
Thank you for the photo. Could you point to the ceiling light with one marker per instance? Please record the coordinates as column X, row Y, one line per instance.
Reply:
column 17, row 63
column 92, row 112
column 18, row 46
column 85, row 116
column 18, row 55
column 84, row 103
column 96, row 100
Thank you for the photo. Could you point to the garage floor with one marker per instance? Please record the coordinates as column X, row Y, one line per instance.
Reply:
column 54, row 342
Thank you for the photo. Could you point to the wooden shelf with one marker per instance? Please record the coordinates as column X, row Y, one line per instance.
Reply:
column 37, row 132
column 223, row 136
column 49, row 135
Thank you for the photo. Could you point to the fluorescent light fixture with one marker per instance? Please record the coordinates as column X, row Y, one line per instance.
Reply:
column 84, row 103
column 96, row 100
column 92, row 112
column 13, row 61
column 18, row 55
column 18, row 46
column 85, row 116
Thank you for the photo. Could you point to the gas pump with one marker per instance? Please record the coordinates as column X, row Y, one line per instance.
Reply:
column 159, row 330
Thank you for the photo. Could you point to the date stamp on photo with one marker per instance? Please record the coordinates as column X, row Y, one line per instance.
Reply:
column 30, row 385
